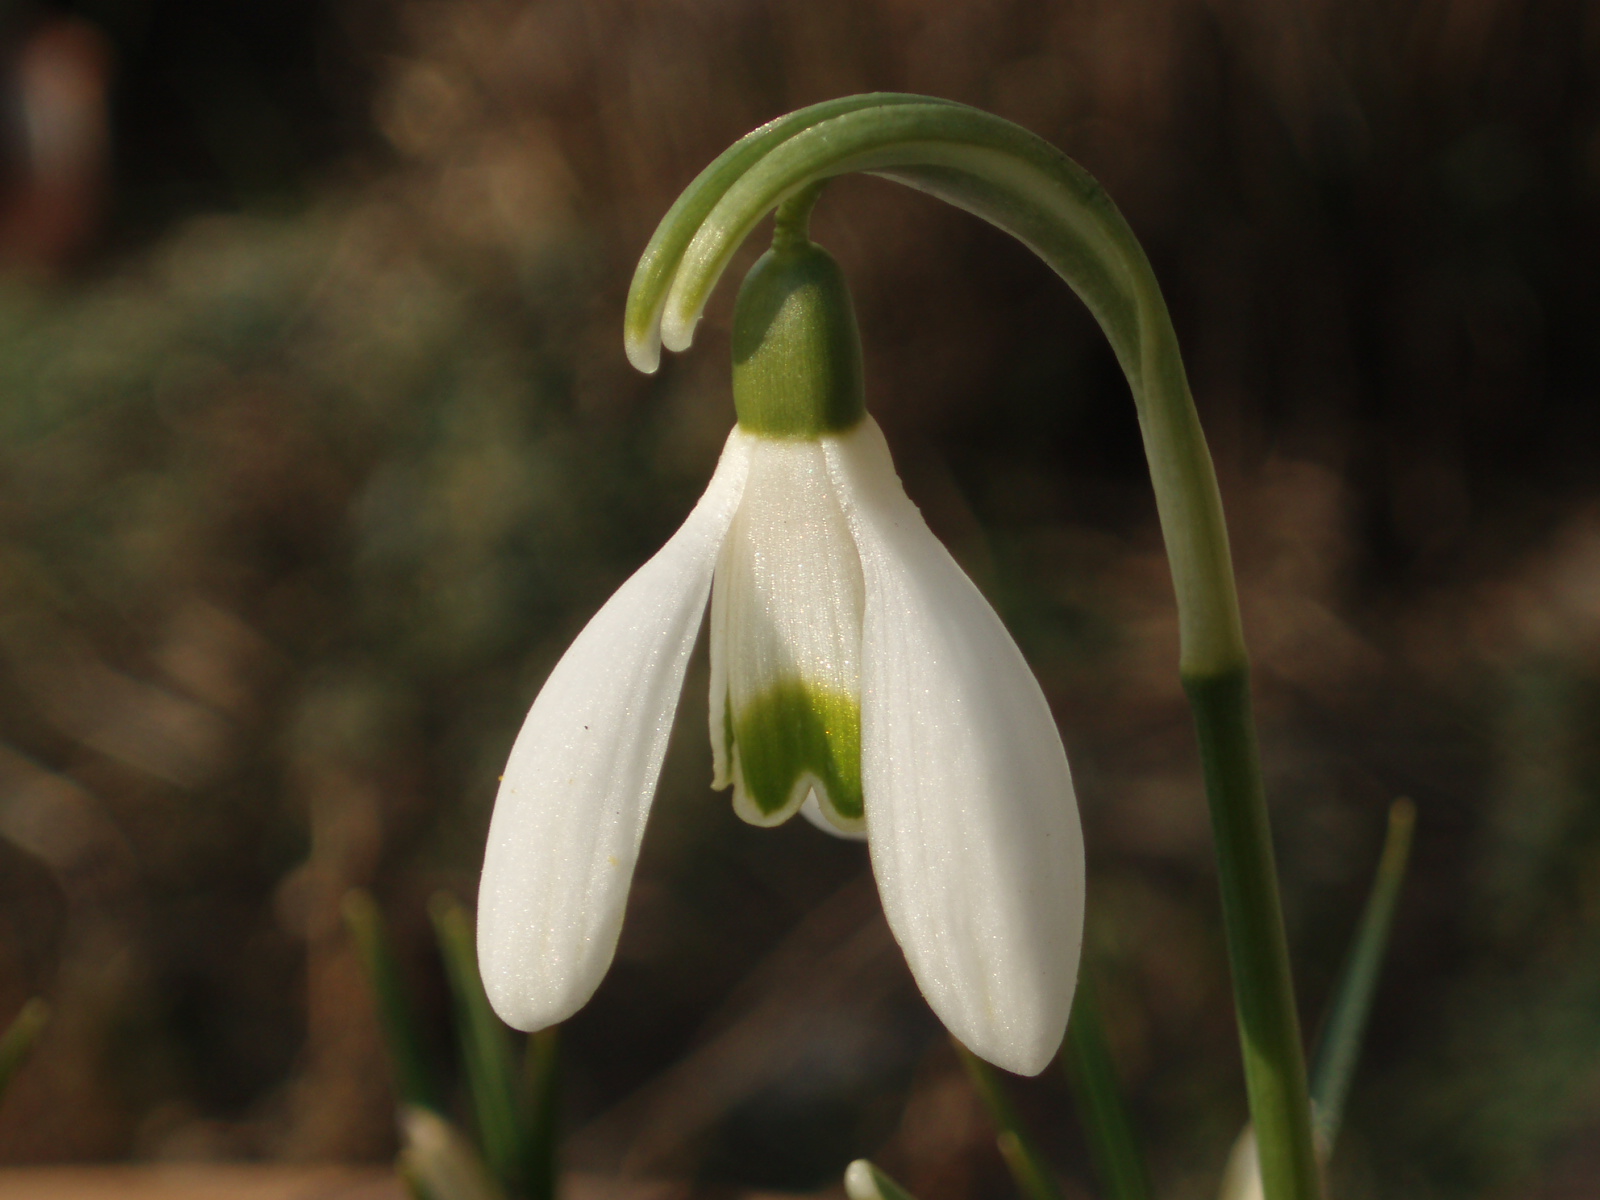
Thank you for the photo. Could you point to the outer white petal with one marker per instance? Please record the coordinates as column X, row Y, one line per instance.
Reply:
column 575, row 795
column 971, row 819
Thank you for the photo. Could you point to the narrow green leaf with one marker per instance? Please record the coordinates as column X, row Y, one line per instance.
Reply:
column 864, row 1181
column 19, row 1038
column 1339, row 1047
column 542, row 1080
column 408, row 1059
column 1118, row 1157
column 504, row 1129
column 1029, row 1171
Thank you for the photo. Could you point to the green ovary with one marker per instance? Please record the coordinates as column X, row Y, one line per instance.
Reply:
column 793, row 729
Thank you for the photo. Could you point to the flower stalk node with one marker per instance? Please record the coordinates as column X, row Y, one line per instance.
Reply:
column 791, row 222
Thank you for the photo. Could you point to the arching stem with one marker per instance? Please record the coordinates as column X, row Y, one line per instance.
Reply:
column 1020, row 183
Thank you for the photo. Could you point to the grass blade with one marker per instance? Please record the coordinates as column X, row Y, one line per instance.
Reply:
column 414, row 1079
column 1118, row 1157
column 505, row 1131
column 1345, row 1029
column 1029, row 1171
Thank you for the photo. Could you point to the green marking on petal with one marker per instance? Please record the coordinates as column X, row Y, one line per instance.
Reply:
column 794, row 730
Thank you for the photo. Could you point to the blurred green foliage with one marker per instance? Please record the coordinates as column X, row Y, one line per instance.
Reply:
column 18, row 1040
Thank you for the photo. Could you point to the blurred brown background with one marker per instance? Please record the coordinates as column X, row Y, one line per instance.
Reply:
column 317, row 445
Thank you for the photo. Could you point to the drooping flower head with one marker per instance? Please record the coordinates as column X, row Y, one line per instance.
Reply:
column 963, row 788
column 857, row 676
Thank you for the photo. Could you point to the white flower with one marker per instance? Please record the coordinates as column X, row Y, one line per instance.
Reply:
column 855, row 671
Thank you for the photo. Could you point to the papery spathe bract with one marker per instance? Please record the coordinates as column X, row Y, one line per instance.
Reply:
column 966, row 797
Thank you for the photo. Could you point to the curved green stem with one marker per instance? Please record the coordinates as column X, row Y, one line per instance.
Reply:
column 1022, row 184
column 1269, row 1028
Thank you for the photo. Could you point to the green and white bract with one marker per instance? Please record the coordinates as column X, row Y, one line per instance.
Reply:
column 830, row 590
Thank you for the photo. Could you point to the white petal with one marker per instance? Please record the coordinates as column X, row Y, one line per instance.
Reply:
column 574, row 798
column 971, row 820
column 811, row 810
column 720, row 719
column 785, row 612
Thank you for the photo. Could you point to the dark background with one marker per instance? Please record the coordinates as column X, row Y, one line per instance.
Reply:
column 317, row 445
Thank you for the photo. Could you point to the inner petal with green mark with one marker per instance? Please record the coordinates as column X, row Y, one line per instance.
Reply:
column 795, row 739
column 786, row 612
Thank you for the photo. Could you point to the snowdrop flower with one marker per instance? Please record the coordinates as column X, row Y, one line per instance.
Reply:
column 857, row 676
